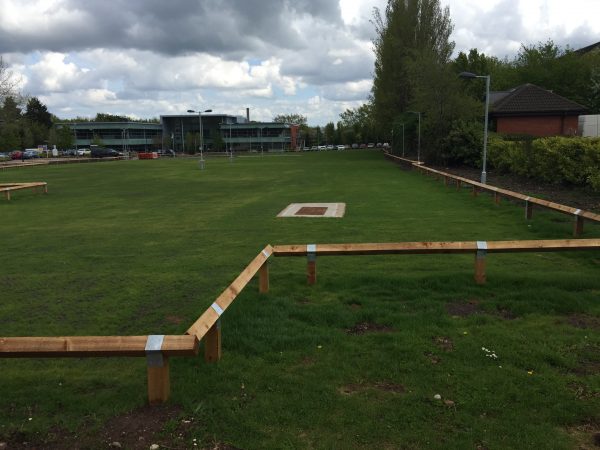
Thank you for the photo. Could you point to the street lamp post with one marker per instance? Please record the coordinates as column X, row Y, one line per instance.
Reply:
column 201, row 134
column 418, row 113
column 470, row 76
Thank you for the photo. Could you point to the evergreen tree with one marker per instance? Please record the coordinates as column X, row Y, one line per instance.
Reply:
column 36, row 112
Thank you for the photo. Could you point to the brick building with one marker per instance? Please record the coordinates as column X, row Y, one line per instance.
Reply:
column 531, row 110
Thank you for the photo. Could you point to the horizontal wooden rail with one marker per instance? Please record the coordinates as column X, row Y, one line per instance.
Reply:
column 438, row 247
column 578, row 214
column 478, row 248
column 7, row 188
column 208, row 325
column 93, row 346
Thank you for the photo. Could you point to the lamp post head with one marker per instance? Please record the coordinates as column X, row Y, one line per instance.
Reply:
column 191, row 110
column 467, row 75
column 208, row 110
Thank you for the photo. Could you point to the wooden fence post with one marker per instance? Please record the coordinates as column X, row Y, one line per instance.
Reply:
column 212, row 343
column 496, row 198
column 475, row 191
column 311, row 268
column 446, row 180
column 480, row 277
column 159, row 383
column 458, row 185
column 578, row 226
column 528, row 209
column 263, row 278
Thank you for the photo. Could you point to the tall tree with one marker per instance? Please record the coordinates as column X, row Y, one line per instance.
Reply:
column 36, row 112
column 405, row 32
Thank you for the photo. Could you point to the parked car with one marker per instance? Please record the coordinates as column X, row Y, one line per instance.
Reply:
column 306, row 149
column 101, row 152
column 386, row 145
column 17, row 154
column 70, row 152
column 30, row 154
column 340, row 147
column 354, row 145
column 363, row 145
column 370, row 145
column 322, row 147
column 84, row 152
column 4, row 156
column 166, row 153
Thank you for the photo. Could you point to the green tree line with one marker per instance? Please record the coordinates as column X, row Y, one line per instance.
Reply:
column 414, row 73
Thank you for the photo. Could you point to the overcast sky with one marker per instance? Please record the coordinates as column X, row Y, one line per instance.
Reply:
column 145, row 58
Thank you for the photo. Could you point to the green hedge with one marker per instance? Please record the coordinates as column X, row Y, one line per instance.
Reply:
column 567, row 160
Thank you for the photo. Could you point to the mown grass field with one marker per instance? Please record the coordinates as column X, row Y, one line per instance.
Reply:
column 144, row 247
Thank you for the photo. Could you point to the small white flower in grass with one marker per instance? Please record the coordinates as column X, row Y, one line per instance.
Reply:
column 437, row 396
column 30, row 419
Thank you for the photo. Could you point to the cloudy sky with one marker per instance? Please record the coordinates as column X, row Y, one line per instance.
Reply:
column 144, row 58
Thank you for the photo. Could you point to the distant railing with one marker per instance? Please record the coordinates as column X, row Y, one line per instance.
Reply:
column 579, row 215
column 7, row 188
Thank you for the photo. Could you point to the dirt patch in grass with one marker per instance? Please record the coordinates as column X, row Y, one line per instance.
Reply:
column 137, row 429
column 368, row 327
column 583, row 321
column 586, row 436
column 463, row 309
column 582, row 391
column 355, row 306
column 444, row 343
column 384, row 386
column 432, row 357
column 174, row 319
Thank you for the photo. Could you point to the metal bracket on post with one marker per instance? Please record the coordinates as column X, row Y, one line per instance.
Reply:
column 154, row 355
column 578, row 228
column 311, row 252
column 311, row 266
column 528, row 208
column 481, row 249
column 480, row 262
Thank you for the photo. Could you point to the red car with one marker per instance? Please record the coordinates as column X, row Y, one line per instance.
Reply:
column 17, row 154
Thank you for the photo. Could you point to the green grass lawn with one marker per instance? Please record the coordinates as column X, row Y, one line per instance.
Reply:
column 144, row 247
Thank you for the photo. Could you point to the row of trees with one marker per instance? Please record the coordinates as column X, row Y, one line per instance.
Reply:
column 414, row 72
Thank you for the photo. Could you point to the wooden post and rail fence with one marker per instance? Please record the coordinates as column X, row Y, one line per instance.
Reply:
column 578, row 215
column 7, row 188
column 157, row 349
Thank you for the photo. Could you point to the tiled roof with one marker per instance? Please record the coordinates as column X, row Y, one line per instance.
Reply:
column 529, row 99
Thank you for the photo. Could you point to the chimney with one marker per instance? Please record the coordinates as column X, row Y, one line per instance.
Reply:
column 248, row 114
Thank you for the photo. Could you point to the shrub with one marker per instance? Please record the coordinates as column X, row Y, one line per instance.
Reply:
column 463, row 144
column 567, row 160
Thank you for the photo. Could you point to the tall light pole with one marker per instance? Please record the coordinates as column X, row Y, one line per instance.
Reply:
column 201, row 134
column 470, row 76
column 418, row 113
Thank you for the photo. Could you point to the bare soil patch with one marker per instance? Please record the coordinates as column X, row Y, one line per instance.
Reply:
column 444, row 343
column 583, row 321
column 463, row 309
column 355, row 306
column 137, row 429
column 384, row 386
column 432, row 357
column 587, row 435
column 368, row 327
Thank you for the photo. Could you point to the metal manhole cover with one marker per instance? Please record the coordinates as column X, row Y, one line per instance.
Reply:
column 311, row 211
